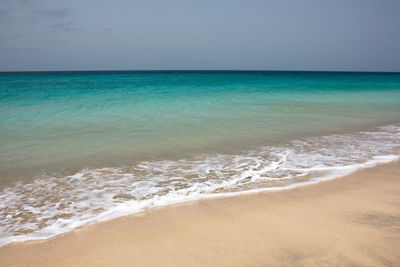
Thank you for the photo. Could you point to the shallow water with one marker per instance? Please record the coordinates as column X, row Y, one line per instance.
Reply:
column 82, row 147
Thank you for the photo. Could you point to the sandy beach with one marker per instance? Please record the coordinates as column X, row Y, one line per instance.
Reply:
column 353, row 220
column 199, row 133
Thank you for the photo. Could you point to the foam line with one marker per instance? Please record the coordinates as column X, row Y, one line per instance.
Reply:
column 48, row 206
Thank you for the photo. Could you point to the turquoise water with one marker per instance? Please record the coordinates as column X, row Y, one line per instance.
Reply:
column 73, row 121
column 124, row 142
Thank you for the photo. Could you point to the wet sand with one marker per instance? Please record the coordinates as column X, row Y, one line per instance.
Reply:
column 354, row 220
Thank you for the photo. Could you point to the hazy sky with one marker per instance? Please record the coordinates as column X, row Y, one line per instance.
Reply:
column 202, row 34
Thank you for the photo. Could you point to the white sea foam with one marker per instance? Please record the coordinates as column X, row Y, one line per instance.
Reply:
column 49, row 206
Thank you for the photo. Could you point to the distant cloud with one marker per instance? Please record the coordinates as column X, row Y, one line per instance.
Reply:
column 109, row 29
column 67, row 26
column 28, row 1
column 26, row 14
column 54, row 13
column 14, row 14
column 59, row 42
column 72, row 29
column 61, row 25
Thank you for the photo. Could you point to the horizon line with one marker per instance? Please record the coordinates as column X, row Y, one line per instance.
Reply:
column 189, row 70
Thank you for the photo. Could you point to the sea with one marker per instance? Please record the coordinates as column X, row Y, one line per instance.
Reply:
column 82, row 147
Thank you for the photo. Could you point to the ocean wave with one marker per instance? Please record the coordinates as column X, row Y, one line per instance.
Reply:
column 49, row 206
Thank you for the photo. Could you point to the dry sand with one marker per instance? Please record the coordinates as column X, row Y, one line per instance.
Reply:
column 354, row 220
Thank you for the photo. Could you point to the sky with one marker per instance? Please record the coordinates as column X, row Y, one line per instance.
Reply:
column 340, row 35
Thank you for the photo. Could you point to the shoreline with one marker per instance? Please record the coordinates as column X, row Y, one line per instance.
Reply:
column 193, row 232
column 51, row 205
column 347, row 170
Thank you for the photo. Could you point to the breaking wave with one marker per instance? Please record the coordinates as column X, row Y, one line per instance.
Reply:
column 48, row 206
